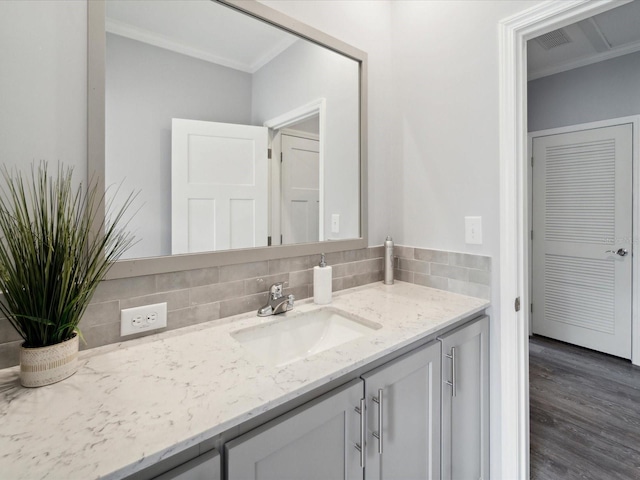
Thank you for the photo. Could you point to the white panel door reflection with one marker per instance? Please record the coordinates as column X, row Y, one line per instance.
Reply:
column 219, row 186
column 300, row 190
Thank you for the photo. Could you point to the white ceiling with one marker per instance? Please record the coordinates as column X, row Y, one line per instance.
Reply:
column 201, row 29
column 607, row 35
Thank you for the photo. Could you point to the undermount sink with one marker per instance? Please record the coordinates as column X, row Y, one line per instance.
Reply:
column 298, row 335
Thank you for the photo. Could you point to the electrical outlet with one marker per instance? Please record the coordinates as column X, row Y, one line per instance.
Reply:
column 142, row 319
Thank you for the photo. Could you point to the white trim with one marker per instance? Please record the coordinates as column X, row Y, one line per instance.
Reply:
column 634, row 120
column 514, row 238
column 123, row 29
column 316, row 107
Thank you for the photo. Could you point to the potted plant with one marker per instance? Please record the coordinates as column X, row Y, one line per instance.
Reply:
column 51, row 261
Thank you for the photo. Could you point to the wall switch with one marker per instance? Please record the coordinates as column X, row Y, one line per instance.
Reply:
column 473, row 230
column 335, row 223
column 142, row 319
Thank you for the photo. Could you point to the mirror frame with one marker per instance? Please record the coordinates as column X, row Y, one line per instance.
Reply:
column 96, row 70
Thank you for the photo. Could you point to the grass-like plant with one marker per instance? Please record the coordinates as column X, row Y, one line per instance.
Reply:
column 51, row 260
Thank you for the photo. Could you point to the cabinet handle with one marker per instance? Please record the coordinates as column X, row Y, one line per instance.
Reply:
column 363, row 431
column 378, row 434
column 452, row 383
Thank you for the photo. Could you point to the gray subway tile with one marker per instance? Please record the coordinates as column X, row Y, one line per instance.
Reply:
column 241, row 271
column 479, row 262
column 355, row 255
column 172, row 281
column 433, row 256
column 285, row 265
column 124, row 288
column 10, row 354
column 204, row 276
column 7, row 332
column 105, row 334
column 217, row 292
column 416, row 266
column 101, row 313
column 333, row 258
column 175, row 300
column 375, row 252
column 470, row 289
column 449, row 271
column 403, row 252
column 193, row 315
column 262, row 284
column 431, row 281
column 299, row 278
column 242, row 304
column 483, row 277
column 343, row 270
column 403, row 275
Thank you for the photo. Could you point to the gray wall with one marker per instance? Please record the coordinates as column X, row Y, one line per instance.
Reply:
column 604, row 90
column 303, row 73
column 43, row 84
column 146, row 87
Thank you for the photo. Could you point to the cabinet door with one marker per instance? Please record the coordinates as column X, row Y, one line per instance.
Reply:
column 204, row 467
column 313, row 442
column 465, row 402
column 407, row 427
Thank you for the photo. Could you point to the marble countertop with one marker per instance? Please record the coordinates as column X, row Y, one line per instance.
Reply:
column 134, row 403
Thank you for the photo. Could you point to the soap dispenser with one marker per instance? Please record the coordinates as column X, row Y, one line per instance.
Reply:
column 322, row 283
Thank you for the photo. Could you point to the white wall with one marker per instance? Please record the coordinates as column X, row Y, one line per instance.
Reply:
column 146, row 87
column 43, row 83
column 604, row 90
column 301, row 74
column 365, row 25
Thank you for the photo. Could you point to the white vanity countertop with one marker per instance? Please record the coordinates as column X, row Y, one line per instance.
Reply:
column 135, row 403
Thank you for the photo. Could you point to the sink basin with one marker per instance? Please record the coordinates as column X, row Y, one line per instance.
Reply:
column 298, row 335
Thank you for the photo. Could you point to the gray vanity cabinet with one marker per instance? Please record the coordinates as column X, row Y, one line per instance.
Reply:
column 313, row 442
column 403, row 417
column 203, row 467
column 465, row 402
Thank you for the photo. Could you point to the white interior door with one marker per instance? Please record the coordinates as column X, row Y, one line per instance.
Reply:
column 219, row 184
column 582, row 213
column 300, row 190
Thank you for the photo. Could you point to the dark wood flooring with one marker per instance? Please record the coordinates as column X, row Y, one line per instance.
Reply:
column 585, row 413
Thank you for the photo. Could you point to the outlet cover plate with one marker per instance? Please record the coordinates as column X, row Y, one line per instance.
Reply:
column 143, row 319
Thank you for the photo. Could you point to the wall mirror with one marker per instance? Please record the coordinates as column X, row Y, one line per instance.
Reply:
column 242, row 129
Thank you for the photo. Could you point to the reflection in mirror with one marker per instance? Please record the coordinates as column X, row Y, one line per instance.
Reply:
column 197, row 95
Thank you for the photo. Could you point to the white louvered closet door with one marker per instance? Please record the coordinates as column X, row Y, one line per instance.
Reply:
column 582, row 207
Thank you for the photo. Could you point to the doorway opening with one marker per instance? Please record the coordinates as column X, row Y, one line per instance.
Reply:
column 514, row 232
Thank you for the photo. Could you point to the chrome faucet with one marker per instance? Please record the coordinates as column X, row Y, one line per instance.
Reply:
column 277, row 303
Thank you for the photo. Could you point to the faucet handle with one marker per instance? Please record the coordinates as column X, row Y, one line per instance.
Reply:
column 275, row 291
column 290, row 300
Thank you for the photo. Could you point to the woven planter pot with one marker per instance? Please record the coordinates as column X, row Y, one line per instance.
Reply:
column 46, row 365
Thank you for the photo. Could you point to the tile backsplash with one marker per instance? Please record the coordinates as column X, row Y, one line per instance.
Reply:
column 455, row 272
column 196, row 296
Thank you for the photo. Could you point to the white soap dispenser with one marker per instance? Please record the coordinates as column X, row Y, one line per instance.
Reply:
column 322, row 283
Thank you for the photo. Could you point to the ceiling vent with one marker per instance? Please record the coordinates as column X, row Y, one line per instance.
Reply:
column 553, row 39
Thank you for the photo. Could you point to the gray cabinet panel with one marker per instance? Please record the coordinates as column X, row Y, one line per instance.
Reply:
column 410, row 417
column 313, row 442
column 465, row 412
column 203, row 467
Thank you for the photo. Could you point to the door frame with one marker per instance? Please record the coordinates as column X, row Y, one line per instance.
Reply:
column 277, row 125
column 634, row 120
column 513, row 348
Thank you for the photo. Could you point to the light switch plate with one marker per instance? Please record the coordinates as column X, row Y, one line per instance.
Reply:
column 473, row 230
column 335, row 223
